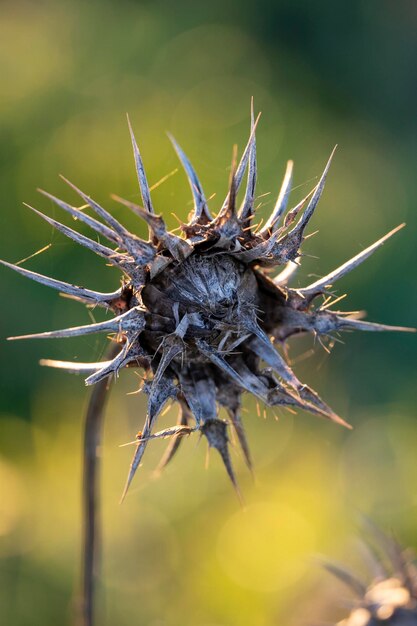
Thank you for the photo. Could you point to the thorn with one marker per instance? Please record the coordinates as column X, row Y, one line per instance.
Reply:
column 246, row 211
column 306, row 216
column 314, row 400
column 71, row 290
column 171, row 431
column 347, row 577
column 201, row 212
column 241, row 435
column 264, row 348
column 330, row 279
column 143, row 183
column 293, row 213
column 156, row 222
column 231, row 204
column 132, row 319
column 126, row 355
column 242, row 164
column 75, row 367
column 178, row 247
column 287, row 273
column 137, row 457
column 354, row 324
column 183, row 418
column 98, row 248
column 105, row 215
column 78, row 214
column 282, row 201
column 215, row 431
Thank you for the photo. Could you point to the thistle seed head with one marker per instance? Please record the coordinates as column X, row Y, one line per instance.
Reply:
column 199, row 313
column 391, row 598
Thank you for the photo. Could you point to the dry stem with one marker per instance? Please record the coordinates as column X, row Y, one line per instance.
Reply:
column 90, row 495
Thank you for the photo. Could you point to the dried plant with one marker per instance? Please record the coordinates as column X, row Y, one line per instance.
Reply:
column 202, row 317
column 391, row 598
column 199, row 312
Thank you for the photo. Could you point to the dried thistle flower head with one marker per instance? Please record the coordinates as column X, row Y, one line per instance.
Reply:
column 391, row 598
column 198, row 312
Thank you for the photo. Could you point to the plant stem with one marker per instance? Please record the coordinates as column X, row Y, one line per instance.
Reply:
column 93, row 428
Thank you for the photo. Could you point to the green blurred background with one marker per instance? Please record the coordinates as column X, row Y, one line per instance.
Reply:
column 180, row 551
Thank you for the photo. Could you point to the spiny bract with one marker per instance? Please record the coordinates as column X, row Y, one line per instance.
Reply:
column 198, row 313
column 391, row 598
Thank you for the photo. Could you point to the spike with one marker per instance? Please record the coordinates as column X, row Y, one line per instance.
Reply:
column 355, row 324
column 241, row 435
column 131, row 320
column 347, row 577
column 156, row 222
column 319, row 285
column 280, row 396
column 184, row 417
column 179, row 248
column 242, row 163
column 137, row 457
column 143, row 183
column 221, row 363
column 105, row 215
column 306, row 216
column 215, row 431
column 313, row 399
column 112, row 256
column 129, row 352
column 231, row 204
column 287, row 273
column 200, row 394
column 248, row 382
column 166, row 390
column 71, row 290
column 168, row 354
column 142, row 251
column 74, row 367
column 305, row 399
column 225, row 221
column 83, row 217
column 293, row 213
column 325, row 322
column 287, row 248
column 263, row 347
column 171, row 431
column 201, row 214
column 226, row 225
column 281, row 203
column 246, row 210
column 159, row 395
column 172, row 347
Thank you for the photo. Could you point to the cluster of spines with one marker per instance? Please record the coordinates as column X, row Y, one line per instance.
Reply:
column 276, row 243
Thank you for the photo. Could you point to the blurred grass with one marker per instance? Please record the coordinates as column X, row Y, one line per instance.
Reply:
column 180, row 551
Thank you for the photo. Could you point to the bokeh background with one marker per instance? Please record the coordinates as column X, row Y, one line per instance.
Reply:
column 180, row 551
